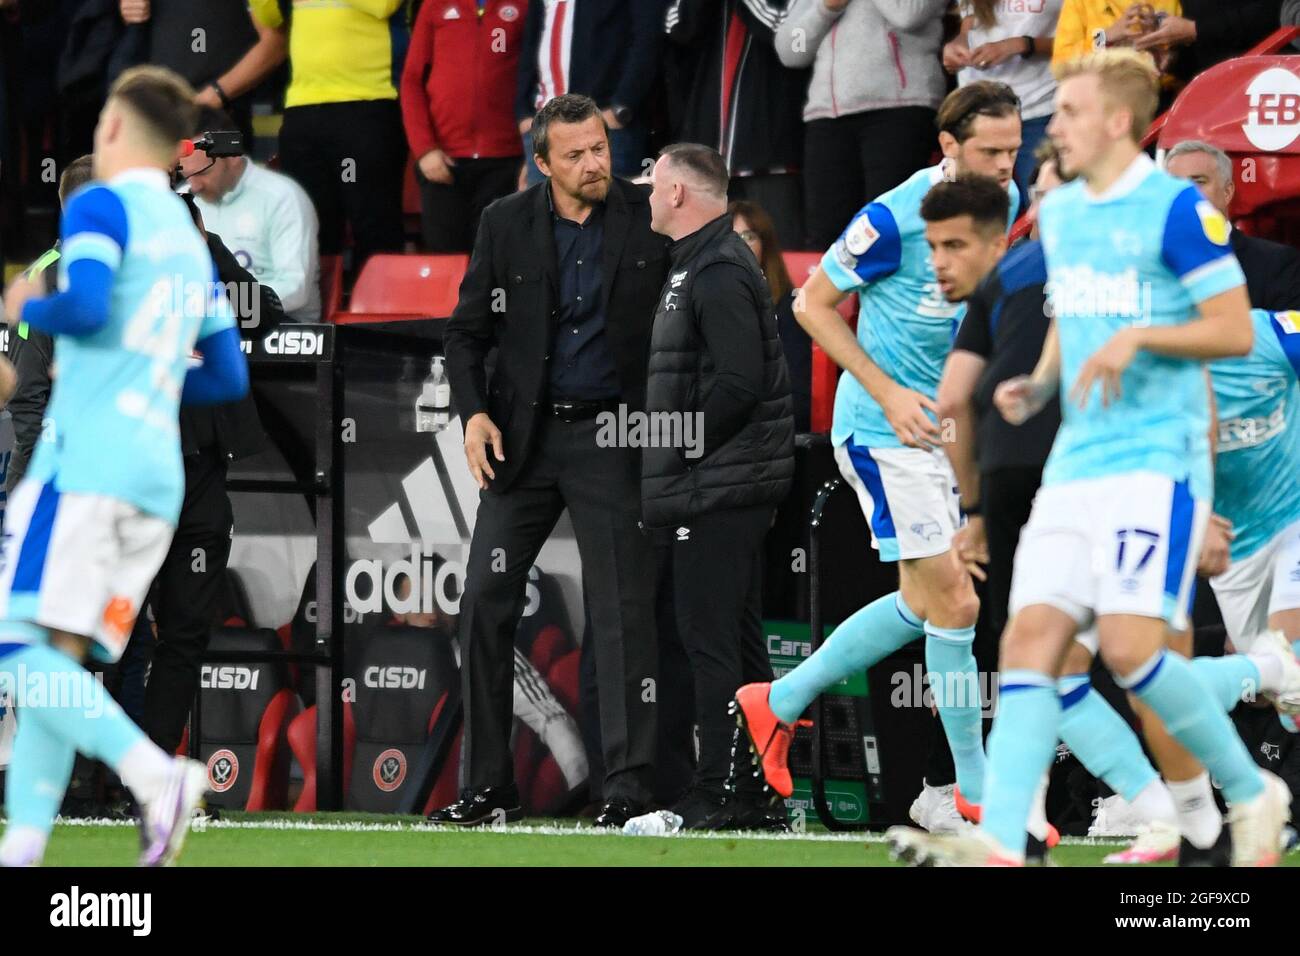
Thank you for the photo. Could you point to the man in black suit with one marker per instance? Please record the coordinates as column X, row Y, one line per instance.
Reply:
column 1272, row 269
column 563, row 280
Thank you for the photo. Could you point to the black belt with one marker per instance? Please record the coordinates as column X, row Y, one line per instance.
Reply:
column 575, row 411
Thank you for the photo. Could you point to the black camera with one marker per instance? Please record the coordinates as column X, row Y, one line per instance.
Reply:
column 217, row 144
column 220, row 143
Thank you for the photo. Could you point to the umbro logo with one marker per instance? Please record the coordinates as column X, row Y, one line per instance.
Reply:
column 683, row 534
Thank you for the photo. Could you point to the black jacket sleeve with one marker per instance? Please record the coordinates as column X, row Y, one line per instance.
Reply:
column 32, row 363
column 728, row 319
column 257, row 320
column 527, row 82
column 1224, row 30
column 762, row 17
column 684, row 19
column 642, row 57
column 470, row 333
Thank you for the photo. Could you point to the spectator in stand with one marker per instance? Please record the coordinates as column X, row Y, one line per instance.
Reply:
column 1210, row 31
column 754, row 225
column 1087, row 25
column 1003, row 40
column 236, row 55
column 742, row 101
column 263, row 217
column 457, row 86
column 605, row 49
column 869, row 119
column 1272, row 269
column 342, row 132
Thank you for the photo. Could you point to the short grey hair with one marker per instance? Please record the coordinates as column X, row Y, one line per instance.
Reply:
column 1221, row 160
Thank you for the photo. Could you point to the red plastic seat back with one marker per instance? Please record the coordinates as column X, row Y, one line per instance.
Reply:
column 1250, row 108
column 331, row 287
column 825, row 373
column 406, row 286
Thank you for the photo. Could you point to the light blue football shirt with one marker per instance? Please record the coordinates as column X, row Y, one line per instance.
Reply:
column 905, row 325
column 1257, row 461
column 1146, row 252
column 112, row 423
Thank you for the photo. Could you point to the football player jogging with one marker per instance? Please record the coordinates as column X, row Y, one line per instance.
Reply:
column 1257, row 507
column 87, row 528
column 1144, row 289
column 886, row 437
column 1005, row 319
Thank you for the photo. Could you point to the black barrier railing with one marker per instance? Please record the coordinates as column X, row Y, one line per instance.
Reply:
column 294, row 347
column 815, row 628
column 326, row 350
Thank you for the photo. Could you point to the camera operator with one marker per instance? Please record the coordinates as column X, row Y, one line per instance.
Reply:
column 185, row 592
column 264, row 218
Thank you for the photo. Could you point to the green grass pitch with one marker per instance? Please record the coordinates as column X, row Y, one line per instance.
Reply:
column 340, row 839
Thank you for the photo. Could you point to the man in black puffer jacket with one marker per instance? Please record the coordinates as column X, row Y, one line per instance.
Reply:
column 719, row 382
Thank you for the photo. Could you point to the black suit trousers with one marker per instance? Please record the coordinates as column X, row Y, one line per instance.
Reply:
column 600, row 487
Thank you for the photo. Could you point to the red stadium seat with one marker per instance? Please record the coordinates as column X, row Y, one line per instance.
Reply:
column 331, row 287
column 563, row 678
column 825, row 373
column 302, row 741
column 402, row 287
column 548, row 646
column 245, row 713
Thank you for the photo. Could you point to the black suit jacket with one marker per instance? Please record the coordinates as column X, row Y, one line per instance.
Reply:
column 1272, row 272
column 508, row 299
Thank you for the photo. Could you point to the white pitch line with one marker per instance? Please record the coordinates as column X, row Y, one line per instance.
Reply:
column 532, row 829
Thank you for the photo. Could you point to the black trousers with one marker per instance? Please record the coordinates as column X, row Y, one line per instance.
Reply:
column 185, row 595
column 600, row 487
column 851, row 160
column 449, row 214
column 349, row 157
column 1007, row 496
column 717, row 570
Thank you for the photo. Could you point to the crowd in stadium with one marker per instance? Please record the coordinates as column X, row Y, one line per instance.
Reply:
column 699, row 140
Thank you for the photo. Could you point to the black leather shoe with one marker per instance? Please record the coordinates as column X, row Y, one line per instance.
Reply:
column 617, row 812
column 1218, row 855
column 482, row 807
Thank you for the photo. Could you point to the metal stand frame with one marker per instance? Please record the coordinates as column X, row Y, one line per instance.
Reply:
column 824, row 814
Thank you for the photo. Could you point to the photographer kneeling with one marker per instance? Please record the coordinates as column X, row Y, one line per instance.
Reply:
column 718, row 373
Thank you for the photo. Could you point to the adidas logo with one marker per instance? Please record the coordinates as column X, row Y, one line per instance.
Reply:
column 431, row 512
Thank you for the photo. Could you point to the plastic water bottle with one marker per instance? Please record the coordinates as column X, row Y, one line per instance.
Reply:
column 659, row 823
column 433, row 404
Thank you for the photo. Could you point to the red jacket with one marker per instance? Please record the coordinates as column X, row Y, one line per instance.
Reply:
column 458, row 83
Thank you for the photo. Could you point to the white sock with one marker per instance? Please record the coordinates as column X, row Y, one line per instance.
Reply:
column 1037, row 825
column 1198, row 816
column 1270, row 672
column 22, row 846
column 145, row 769
column 1155, row 804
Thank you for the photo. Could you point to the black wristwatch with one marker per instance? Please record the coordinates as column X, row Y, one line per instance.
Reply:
column 1029, row 47
column 221, row 94
column 623, row 114
column 971, row 510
